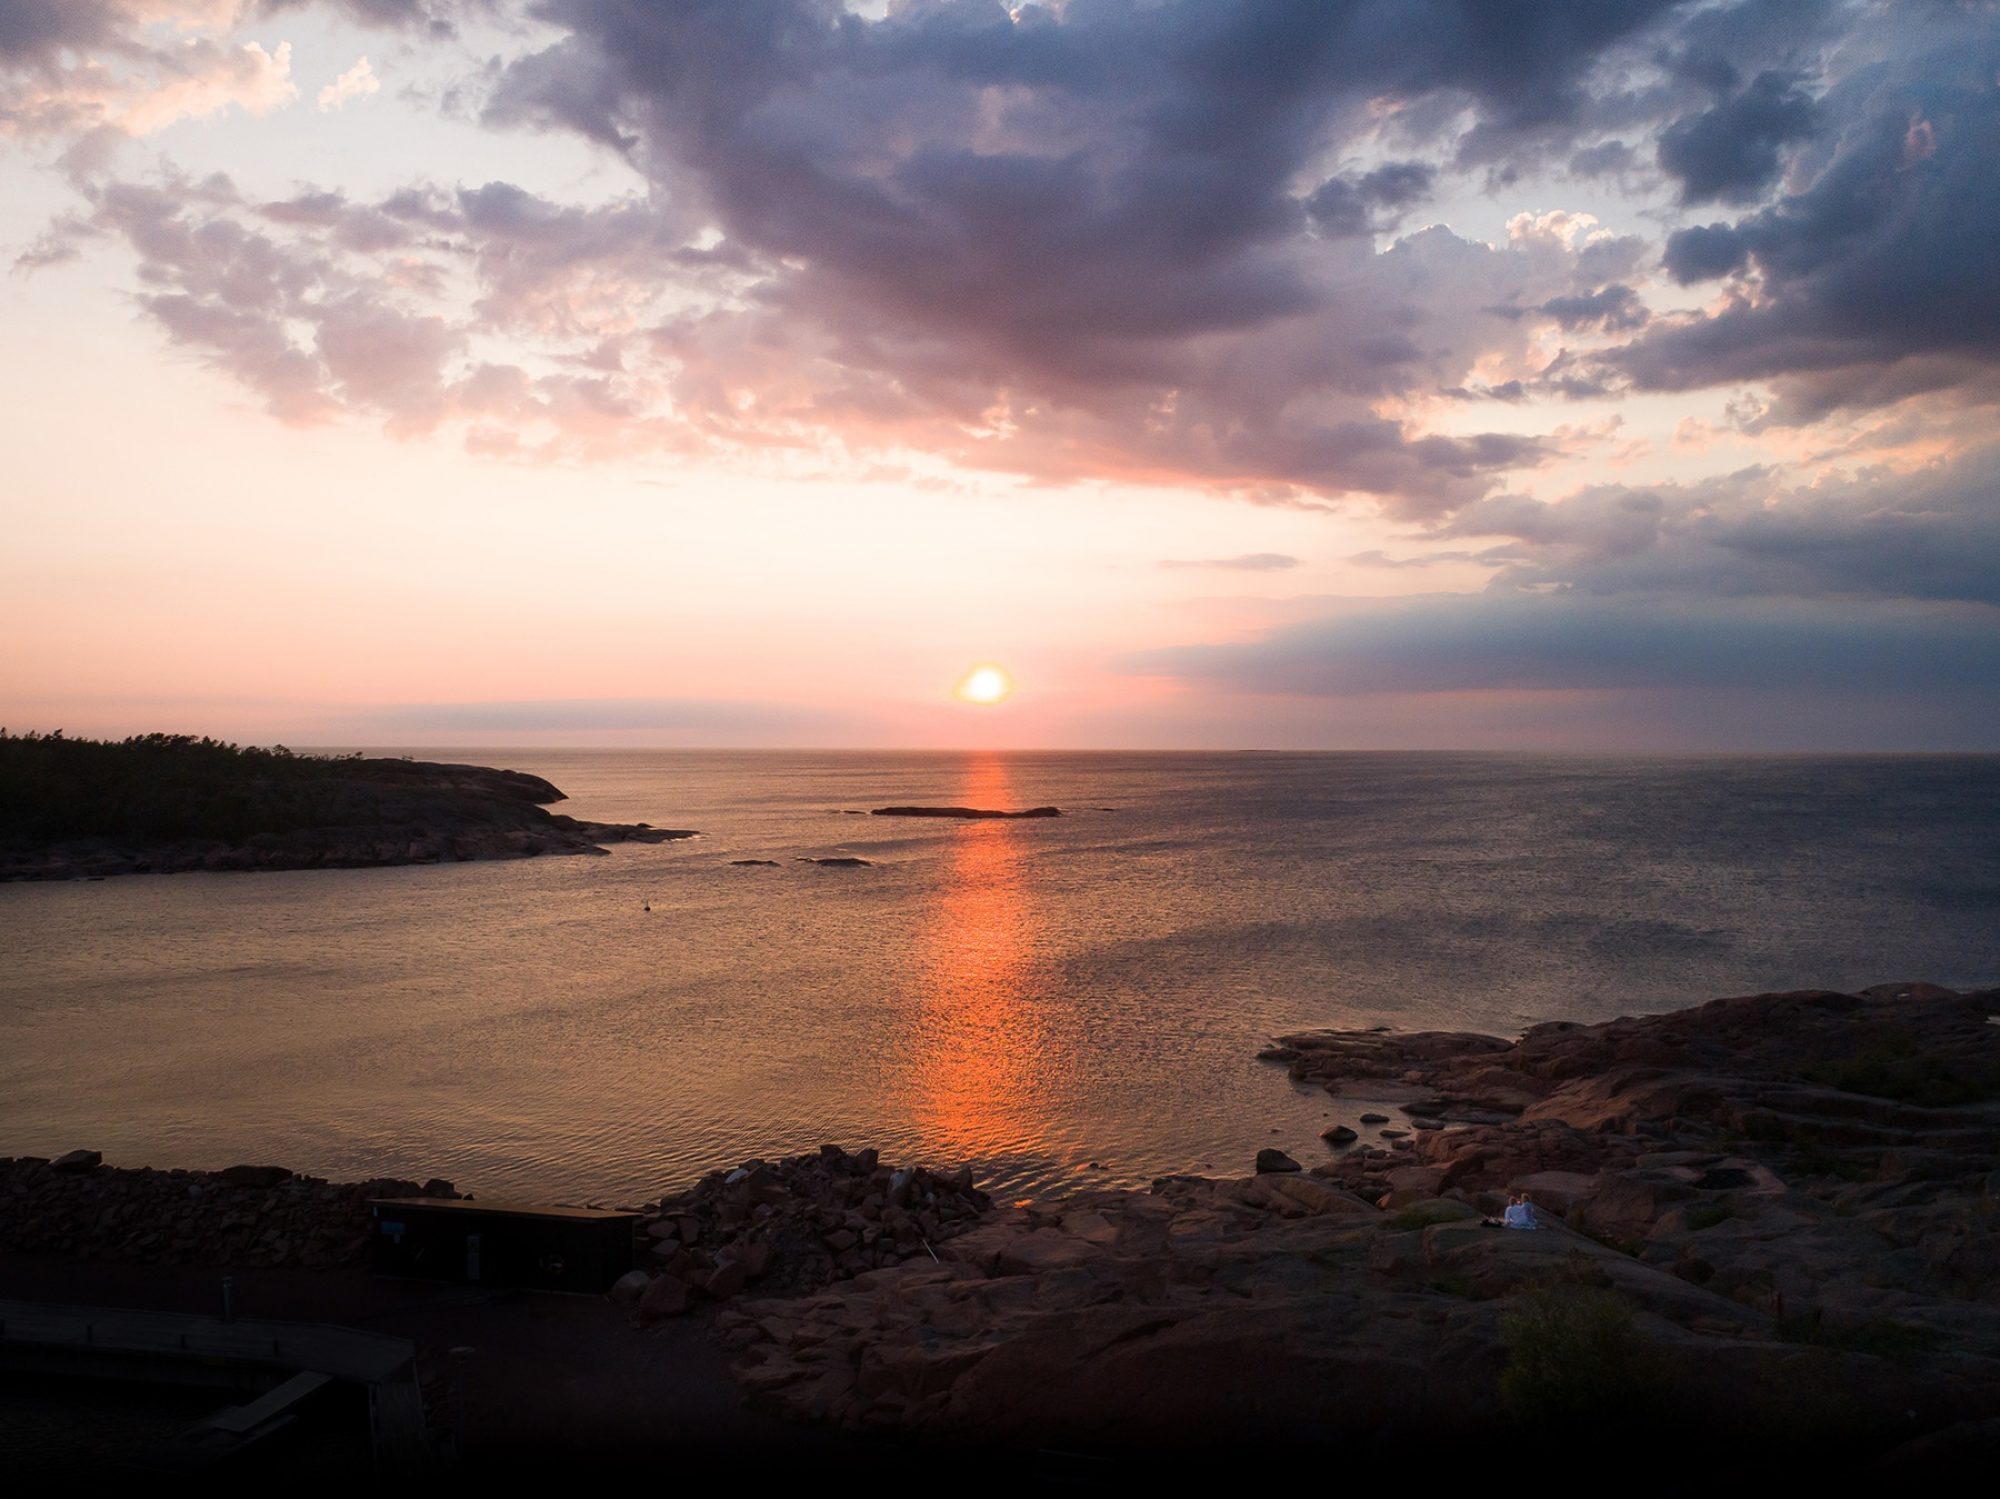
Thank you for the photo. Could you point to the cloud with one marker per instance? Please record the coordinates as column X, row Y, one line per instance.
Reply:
column 1169, row 243
column 322, row 306
column 1731, row 153
column 1072, row 243
column 1723, row 612
column 1524, row 643
column 72, row 67
column 32, row 29
column 1612, row 309
column 1871, row 281
column 1249, row 562
column 357, row 82
column 1374, row 200
column 1376, row 557
column 438, row 17
column 1930, row 534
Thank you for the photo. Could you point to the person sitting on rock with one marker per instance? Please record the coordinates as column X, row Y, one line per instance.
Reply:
column 1520, row 1213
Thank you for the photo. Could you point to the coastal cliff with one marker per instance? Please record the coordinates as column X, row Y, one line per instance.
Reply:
column 79, row 808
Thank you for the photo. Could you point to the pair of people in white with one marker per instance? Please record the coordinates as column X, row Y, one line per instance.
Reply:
column 1520, row 1213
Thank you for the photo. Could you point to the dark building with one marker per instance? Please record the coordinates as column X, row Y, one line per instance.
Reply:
column 502, row 1244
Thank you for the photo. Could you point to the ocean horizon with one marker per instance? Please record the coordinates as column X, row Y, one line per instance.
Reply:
column 1068, row 1001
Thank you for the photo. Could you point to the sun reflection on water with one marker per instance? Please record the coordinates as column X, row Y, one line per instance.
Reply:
column 981, row 1043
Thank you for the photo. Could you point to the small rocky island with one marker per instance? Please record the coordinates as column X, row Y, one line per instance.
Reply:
column 972, row 813
column 165, row 803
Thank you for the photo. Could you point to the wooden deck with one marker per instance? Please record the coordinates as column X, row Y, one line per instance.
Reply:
column 172, row 1346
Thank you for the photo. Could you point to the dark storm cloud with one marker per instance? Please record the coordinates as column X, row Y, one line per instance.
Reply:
column 1866, row 591
column 1705, row 252
column 1929, row 535
column 1370, row 202
column 1093, row 213
column 34, row 28
column 1138, row 240
column 1731, row 153
column 1876, row 275
column 1503, row 643
column 1613, row 309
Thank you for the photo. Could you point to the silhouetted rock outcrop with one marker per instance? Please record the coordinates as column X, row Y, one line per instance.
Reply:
column 73, row 808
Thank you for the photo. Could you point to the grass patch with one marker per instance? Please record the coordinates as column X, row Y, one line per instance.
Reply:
column 1876, row 1335
column 1814, row 1160
column 1455, row 1285
column 1708, row 1214
column 1892, row 1065
column 1425, row 1214
column 1573, row 1354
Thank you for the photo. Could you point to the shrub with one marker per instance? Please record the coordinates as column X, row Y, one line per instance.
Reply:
column 1424, row 1214
column 1892, row 1065
column 1876, row 1335
column 1574, row 1354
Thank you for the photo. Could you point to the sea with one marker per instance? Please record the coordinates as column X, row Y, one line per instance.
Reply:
column 1063, row 1002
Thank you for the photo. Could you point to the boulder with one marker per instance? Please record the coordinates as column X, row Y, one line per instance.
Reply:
column 1041, row 1251
column 255, row 1176
column 77, row 1162
column 1312, row 1194
column 629, row 1288
column 1269, row 1160
column 665, row 1297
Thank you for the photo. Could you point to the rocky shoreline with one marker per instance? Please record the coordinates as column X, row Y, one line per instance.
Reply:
column 249, row 1216
column 378, row 847
column 1769, row 1226
column 1748, row 1238
column 253, row 810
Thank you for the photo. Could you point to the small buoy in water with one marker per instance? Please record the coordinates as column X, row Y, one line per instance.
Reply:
column 649, row 905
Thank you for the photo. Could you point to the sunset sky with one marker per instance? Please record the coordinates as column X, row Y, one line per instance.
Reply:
column 1400, row 373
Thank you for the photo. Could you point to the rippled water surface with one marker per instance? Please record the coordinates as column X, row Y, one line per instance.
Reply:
column 1030, row 996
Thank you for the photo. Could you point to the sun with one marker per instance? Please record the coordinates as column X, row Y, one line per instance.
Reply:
column 985, row 685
